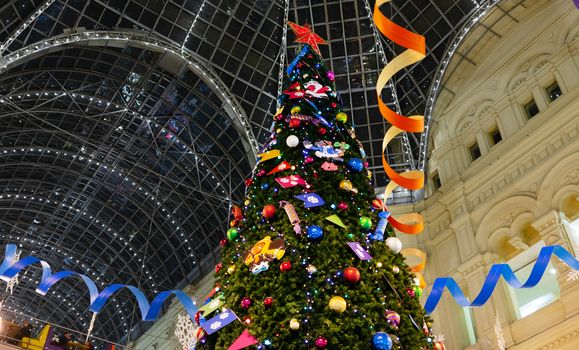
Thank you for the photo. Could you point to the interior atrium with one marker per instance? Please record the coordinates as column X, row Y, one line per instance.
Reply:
column 131, row 130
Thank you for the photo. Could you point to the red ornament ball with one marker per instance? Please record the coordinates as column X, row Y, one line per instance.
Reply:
column 343, row 206
column 268, row 211
column 322, row 131
column 333, row 105
column 411, row 292
column 248, row 182
column 352, row 274
column 321, row 342
column 268, row 301
column 245, row 303
column 218, row 267
column 294, row 123
column 285, row 266
column 223, row 242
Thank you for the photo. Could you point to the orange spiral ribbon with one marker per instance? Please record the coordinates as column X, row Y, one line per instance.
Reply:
column 415, row 45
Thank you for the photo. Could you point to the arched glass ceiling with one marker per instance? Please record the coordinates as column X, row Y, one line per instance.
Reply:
column 130, row 135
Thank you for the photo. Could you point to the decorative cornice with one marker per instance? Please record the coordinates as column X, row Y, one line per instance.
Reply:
column 564, row 339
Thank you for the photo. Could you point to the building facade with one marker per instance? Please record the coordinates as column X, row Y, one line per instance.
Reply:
column 504, row 178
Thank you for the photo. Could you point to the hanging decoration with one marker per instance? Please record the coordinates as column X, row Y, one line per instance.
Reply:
column 280, row 167
column 219, row 321
column 292, row 214
column 271, row 154
column 415, row 51
column 291, row 181
column 243, row 341
column 311, row 200
column 494, row 276
column 14, row 280
column 334, row 219
column 185, row 332
column 360, row 252
column 325, row 149
column 149, row 312
column 501, row 344
column 264, row 251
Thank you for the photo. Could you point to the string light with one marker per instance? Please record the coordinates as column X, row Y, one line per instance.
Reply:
column 480, row 11
column 232, row 107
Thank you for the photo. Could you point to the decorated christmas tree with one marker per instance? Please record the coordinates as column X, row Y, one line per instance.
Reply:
column 310, row 260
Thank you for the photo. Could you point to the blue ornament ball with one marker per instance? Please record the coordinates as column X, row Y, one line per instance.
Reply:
column 381, row 341
column 356, row 164
column 315, row 233
column 264, row 186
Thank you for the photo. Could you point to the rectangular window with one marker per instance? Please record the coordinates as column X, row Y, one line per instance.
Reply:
column 531, row 109
column 474, row 151
column 531, row 300
column 554, row 91
column 495, row 135
column 436, row 181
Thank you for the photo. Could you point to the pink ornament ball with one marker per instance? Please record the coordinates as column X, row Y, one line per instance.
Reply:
column 343, row 206
column 321, row 342
column 330, row 75
column 245, row 303
column 308, row 159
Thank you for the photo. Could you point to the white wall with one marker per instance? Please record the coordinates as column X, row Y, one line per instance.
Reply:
column 520, row 191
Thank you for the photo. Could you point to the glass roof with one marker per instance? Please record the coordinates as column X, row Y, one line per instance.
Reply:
column 119, row 160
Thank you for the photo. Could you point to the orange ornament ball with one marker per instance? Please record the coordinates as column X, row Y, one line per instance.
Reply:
column 352, row 275
column 439, row 346
column 268, row 211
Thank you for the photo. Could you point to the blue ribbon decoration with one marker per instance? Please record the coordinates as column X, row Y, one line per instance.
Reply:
column 494, row 276
column 149, row 312
column 291, row 66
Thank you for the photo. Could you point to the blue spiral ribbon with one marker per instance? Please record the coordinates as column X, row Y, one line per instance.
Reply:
column 494, row 276
column 149, row 312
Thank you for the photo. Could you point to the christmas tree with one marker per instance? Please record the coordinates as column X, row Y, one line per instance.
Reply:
column 288, row 271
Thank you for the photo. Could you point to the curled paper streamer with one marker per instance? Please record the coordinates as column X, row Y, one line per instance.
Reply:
column 415, row 51
column 292, row 214
column 494, row 276
column 149, row 312
column 416, row 261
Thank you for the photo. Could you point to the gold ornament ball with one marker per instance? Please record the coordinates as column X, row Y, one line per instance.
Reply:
column 346, row 185
column 295, row 109
column 247, row 202
column 278, row 130
column 342, row 117
column 338, row 304
column 294, row 324
column 231, row 269
column 395, row 269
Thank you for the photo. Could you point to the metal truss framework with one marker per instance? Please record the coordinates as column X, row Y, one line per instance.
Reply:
column 129, row 126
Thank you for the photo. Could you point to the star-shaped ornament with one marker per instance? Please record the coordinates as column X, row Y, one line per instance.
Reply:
column 305, row 35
